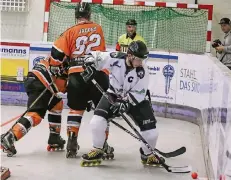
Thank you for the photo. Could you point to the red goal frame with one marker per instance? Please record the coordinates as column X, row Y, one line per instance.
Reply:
column 209, row 8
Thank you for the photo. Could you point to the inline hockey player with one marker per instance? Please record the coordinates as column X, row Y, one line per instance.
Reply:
column 128, row 87
column 76, row 43
column 44, row 75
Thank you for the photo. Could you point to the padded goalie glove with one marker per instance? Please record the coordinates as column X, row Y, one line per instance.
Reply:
column 119, row 107
column 89, row 72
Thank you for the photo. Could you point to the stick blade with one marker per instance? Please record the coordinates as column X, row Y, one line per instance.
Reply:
column 175, row 153
column 183, row 169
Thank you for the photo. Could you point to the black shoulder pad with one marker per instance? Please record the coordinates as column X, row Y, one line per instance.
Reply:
column 117, row 54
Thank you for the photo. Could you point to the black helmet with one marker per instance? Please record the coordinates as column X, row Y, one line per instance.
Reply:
column 131, row 22
column 138, row 49
column 225, row 21
column 83, row 9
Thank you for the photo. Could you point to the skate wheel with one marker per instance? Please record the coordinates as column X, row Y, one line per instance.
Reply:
column 97, row 163
column 90, row 164
column 108, row 157
column 48, row 148
column 69, row 155
column 84, row 164
column 9, row 155
column 112, row 156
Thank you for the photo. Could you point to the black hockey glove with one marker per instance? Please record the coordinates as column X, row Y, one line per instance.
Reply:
column 89, row 106
column 119, row 107
column 89, row 73
column 56, row 70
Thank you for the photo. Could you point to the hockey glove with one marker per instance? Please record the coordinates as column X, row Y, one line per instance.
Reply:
column 119, row 107
column 89, row 72
column 89, row 106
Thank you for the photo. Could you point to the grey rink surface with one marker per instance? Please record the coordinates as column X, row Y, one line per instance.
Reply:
column 34, row 162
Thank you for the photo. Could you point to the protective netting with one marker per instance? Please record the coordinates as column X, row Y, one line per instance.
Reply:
column 171, row 29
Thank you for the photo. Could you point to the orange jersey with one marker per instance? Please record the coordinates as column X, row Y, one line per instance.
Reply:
column 78, row 41
column 42, row 72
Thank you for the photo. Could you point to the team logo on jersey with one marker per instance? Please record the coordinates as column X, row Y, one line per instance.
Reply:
column 116, row 64
column 37, row 60
column 140, row 72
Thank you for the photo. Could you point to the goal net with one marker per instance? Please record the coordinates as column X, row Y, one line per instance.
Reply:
column 171, row 29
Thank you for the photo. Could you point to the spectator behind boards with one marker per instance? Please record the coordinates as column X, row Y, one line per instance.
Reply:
column 224, row 47
column 131, row 35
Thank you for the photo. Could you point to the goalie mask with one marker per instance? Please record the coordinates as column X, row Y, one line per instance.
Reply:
column 83, row 10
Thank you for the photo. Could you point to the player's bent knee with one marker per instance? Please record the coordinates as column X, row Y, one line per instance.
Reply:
column 57, row 109
column 34, row 118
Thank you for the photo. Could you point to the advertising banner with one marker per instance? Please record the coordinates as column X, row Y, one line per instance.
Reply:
column 38, row 52
column 162, row 79
column 189, row 79
column 14, row 61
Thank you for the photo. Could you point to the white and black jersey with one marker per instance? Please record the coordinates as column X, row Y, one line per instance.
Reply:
column 125, row 82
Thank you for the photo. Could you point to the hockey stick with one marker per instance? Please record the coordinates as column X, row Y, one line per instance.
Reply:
column 228, row 154
column 9, row 121
column 183, row 169
column 175, row 153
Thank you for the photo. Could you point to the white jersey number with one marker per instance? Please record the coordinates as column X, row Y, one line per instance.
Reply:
column 84, row 44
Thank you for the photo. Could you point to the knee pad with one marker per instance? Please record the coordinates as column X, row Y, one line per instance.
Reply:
column 151, row 137
column 25, row 123
column 34, row 118
column 98, row 123
column 21, row 127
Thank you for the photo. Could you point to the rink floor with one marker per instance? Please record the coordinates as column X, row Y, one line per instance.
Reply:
column 34, row 162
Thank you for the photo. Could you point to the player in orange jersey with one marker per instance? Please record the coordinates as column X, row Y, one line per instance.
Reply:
column 77, row 43
column 42, row 85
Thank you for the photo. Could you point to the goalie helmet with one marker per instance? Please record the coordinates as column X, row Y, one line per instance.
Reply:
column 138, row 49
column 83, row 10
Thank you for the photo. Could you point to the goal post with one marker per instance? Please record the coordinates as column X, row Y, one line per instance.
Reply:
column 166, row 26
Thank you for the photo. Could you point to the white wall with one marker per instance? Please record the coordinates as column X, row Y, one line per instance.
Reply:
column 24, row 25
